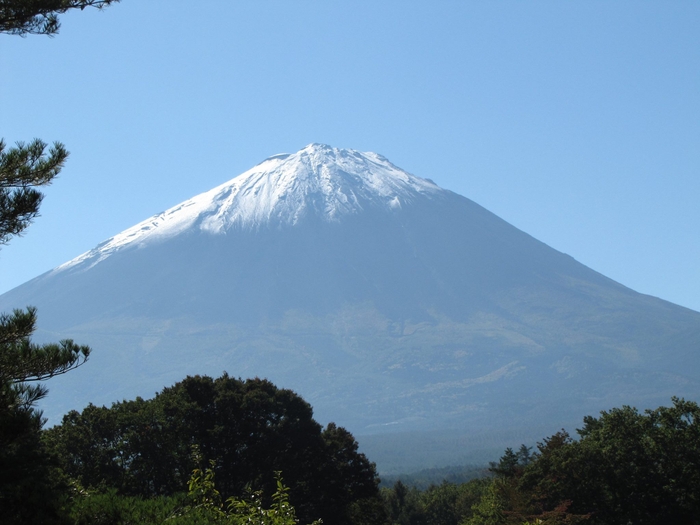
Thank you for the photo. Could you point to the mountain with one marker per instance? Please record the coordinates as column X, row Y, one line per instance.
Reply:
column 390, row 304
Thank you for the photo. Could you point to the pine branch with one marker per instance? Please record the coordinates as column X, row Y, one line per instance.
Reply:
column 23, row 361
column 17, row 326
column 40, row 17
column 22, row 169
column 29, row 165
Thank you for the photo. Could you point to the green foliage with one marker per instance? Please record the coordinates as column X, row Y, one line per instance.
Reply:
column 22, row 170
column 441, row 504
column 250, row 428
column 22, row 17
column 110, row 508
column 512, row 463
column 32, row 489
column 206, row 507
column 22, row 361
column 455, row 474
column 250, row 510
column 201, row 505
column 444, row 504
column 404, row 505
column 489, row 510
column 202, row 489
column 626, row 467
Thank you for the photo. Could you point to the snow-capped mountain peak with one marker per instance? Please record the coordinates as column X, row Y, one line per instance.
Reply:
column 328, row 182
column 318, row 180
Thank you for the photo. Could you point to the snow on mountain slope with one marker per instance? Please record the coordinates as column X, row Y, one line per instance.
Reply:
column 317, row 180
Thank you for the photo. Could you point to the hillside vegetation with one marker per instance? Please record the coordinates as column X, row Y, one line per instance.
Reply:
column 227, row 450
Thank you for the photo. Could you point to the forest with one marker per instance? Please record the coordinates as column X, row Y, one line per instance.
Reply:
column 228, row 450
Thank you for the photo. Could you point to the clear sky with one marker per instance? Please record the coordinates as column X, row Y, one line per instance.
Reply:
column 577, row 122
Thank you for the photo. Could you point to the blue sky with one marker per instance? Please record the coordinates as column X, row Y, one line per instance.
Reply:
column 579, row 123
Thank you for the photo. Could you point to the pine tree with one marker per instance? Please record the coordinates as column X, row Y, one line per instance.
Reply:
column 22, row 170
column 30, row 489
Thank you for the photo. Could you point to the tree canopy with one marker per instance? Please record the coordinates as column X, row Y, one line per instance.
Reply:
column 40, row 17
column 626, row 467
column 23, row 169
column 250, row 429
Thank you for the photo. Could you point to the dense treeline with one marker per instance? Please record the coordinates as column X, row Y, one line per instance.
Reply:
column 423, row 479
column 131, row 463
column 250, row 429
column 210, row 451
column 443, row 504
column 626, row 468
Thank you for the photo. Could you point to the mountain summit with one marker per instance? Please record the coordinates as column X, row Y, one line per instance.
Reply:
column 318, row 182
column 390, row 304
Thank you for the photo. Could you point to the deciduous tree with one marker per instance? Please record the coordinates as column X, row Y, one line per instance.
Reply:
column 250, row 428
column 627, row 467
